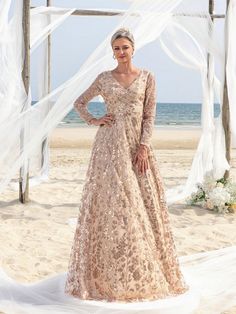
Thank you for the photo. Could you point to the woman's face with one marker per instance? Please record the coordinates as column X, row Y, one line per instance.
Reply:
column 122, row 49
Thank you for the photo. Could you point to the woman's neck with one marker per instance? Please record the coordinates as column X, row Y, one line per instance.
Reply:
column 125, row 68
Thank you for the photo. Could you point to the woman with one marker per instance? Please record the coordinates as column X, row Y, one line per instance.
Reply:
column 123, row 247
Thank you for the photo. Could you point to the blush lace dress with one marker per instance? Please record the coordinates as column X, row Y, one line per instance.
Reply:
column 123, row 247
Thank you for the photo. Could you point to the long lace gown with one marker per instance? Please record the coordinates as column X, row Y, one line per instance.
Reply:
column 123, row 247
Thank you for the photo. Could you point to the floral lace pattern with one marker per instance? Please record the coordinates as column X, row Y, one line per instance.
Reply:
column 123, row 248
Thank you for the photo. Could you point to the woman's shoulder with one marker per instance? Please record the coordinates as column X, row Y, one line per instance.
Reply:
column 103, row 73
column 101, row 76
column 149, row 73
column 149, row 76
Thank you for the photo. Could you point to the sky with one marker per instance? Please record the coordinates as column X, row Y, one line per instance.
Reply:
column 77, row 37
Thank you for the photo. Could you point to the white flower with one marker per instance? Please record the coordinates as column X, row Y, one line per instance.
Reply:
column 214, row 195
column 219, row 196
column 209, row 204
column 209, row 182
column 231, row 188
column 222, row 209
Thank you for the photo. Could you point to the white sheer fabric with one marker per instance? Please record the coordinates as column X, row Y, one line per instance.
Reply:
column 140, row 18
column 12, row 93
column 211, row 275
column 13, row 98
column 43, row 21
column 67, row 92
column 181, row 46
column 231, row 65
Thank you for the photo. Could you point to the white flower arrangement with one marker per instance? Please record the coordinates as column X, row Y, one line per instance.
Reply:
column 217, row 195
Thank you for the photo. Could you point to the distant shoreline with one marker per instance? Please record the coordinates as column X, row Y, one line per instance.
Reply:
column 166, row 115
column 162, row 127
column 162, row 137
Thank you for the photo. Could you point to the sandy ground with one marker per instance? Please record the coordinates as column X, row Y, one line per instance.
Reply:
column 36, row 238
column 168, row 138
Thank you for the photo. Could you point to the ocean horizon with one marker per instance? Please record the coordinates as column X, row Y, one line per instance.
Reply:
column 180, row 115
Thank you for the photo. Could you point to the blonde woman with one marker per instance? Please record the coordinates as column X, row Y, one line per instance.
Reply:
column 123, row 247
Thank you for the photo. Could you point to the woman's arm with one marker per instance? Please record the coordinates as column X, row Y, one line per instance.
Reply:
column 149, row 111
column 81, row 102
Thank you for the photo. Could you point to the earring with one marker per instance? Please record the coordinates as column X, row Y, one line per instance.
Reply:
column 114, row 57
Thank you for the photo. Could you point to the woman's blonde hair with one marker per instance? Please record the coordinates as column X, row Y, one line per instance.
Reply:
column 123, row 33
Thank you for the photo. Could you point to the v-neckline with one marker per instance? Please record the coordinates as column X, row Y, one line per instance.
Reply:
column 126, row 88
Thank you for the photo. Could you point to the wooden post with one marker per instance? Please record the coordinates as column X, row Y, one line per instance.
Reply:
column 45, row 143
column 49, row 3
column 211, row 7
column 24, row 195
column 210, row 58
column 225, row 107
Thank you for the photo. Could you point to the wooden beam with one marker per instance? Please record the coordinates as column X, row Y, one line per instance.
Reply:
column 24, row 195
column 225, row 107
column 91, row 12
column 88, row 12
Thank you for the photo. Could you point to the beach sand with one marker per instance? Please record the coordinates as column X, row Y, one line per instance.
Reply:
column 163, row 138
column 36, row 238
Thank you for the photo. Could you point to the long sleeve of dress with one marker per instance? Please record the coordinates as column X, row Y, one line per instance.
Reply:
column 81, row 102
column 149, row 111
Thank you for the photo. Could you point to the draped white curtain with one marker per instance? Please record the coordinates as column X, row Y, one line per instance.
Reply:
column 41, row 120
column 180, row 44
column 231, row 65
column 148, row 21
column 211, row 275
column 43, row 21
column 13, row 99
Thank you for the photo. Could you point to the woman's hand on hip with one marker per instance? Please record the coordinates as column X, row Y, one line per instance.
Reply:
column 107, row 119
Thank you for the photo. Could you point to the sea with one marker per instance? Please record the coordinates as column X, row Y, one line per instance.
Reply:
column 179, row 115
column 173, row 115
